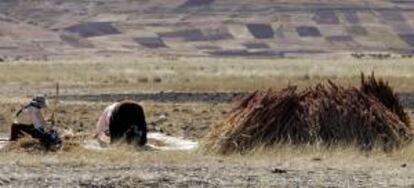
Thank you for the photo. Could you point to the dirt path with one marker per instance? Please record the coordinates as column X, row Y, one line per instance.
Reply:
column 213, row 173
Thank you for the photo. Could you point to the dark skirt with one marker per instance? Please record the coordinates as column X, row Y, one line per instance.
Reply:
column 19, row 130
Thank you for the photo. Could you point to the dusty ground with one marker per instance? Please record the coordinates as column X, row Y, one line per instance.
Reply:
column 212, row 174
column 280, row 168
column 179, row 112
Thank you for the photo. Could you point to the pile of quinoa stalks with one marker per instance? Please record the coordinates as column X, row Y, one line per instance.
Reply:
column 368, row 117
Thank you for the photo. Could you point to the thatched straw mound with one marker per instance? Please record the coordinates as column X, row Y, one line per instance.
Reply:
column 368, row 117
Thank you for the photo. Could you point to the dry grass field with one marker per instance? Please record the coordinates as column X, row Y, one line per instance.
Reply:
column 123, row 75
column 83, row 82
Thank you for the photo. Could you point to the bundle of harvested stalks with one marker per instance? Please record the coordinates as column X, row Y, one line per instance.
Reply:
column 25, row 144
column 31, row 145
column 383, row 92
column 328, row 115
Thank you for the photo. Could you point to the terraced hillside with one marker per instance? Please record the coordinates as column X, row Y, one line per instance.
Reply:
column 280, row 28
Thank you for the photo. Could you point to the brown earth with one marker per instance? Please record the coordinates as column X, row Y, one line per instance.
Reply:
column 211, row 173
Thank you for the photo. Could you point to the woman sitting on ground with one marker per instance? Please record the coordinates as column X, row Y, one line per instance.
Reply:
column 30, row 121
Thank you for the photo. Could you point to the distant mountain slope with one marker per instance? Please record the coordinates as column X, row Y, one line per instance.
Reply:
column 41, row 28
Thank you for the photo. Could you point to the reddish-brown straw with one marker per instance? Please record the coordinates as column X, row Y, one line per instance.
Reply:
column 368, row 116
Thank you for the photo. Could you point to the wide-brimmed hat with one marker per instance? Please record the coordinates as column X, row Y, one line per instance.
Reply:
column 39, row 100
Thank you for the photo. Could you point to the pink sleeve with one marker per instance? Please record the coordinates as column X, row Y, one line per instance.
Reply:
column 37, row 118
column 102, row 124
